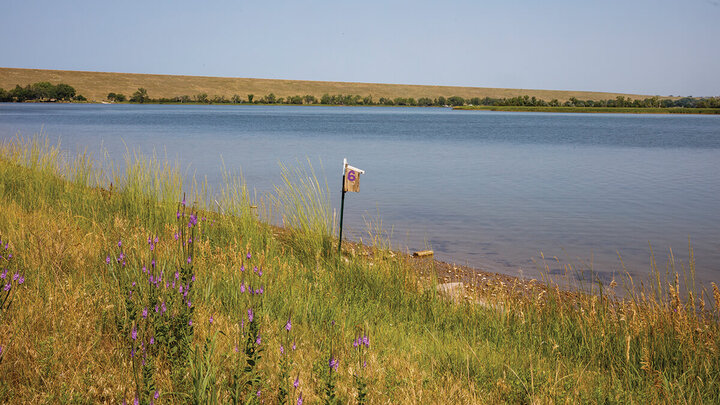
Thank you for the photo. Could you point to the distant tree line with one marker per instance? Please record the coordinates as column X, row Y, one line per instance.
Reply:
column 41, row 91
column 45, row 91
column 141, row 96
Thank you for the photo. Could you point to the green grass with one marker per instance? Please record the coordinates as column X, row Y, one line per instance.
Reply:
column 616, row 110
column 68, row 334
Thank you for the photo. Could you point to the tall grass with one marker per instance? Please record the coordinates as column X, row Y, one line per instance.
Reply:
column 67, row 336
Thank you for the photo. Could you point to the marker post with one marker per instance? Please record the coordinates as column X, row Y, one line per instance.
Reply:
column 350, row 182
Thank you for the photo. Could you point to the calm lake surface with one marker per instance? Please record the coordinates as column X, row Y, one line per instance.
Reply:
column 488, row 189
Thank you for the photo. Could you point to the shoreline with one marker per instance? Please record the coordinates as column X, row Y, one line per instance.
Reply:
column 562, row 110
column 594, row 110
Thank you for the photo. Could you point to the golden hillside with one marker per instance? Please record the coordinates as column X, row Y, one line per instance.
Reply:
column 96, row 85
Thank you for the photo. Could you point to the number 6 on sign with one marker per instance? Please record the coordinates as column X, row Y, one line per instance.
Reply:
column 352, row 178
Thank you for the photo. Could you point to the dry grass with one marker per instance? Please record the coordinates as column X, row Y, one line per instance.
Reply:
column 506, row 342
column 96, row 85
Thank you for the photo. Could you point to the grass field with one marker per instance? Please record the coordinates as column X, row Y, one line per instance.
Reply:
column 617, row 110
column 96, row 86
column 124, row 285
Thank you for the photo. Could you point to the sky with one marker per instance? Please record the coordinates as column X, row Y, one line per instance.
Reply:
column 642, row 47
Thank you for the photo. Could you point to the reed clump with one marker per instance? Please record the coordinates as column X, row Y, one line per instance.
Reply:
column 132, row 292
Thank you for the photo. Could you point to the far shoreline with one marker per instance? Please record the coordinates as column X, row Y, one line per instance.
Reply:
column 562, row 109
column 594, row 110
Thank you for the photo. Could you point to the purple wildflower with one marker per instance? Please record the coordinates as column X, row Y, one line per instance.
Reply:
column 15, row 276
column 152, row 340
column 21, row 280
column 293, row 346
column 180, row 289
column 258, row 393
column 153, row 263
column 7, row 287
column 288, row 325
column 134, row 333
column 189, row 304
column 300, row 399
column 258, row 340
column 211, row 319
column 190, row 322
column 136, row 401
column 144, row 312
column 242, row 287
column 156, row 239
column 333, row 363
column 296, row 383
column 236, row 349
column 157, row 394
column 282, row 349
column 177, row 214
column 248, row 256
column 120, row 243
column 177, row 275
column 250, row 315
column 242, row 268
column 157, row 308
column 107, row 260
column 193, row 278
column 189, row 259
column 183, row 201
column 177, row 236
column 366, row 341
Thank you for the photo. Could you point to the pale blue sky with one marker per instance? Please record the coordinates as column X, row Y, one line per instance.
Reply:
column 646, row 47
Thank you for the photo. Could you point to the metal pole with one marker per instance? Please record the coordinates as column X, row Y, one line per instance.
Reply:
column 342, row 207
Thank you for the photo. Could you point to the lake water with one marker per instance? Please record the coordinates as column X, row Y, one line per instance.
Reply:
column 488, row 189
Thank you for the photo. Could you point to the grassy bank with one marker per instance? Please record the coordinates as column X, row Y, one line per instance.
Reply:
column 616, row 110
column 130, row 290
column 96, row 86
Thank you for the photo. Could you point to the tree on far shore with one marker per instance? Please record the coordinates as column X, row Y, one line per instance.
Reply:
column 140, row 96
